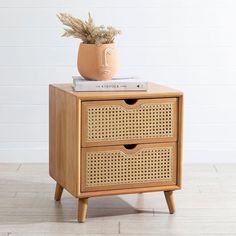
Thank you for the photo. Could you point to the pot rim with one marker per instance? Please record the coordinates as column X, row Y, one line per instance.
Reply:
column 96, row 45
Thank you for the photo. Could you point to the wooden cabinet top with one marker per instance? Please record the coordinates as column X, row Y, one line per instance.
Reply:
column 154, row 91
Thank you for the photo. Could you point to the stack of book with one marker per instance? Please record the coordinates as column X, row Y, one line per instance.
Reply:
column 116, row 84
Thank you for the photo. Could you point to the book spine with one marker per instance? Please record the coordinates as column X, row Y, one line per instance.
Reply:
column 122, row 86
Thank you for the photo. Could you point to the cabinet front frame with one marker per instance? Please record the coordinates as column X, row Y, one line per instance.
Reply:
column 179, row 152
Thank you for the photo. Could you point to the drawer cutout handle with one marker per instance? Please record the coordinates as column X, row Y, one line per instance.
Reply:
column 130, row 101
column 130, row 146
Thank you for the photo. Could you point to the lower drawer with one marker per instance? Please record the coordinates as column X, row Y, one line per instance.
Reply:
column 128, row 166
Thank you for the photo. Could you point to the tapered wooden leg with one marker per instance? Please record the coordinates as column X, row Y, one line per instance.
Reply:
column 170, row 201
column 58, row 192
column 82, row 210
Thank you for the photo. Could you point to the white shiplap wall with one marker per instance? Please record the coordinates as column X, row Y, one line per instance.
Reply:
column 189, row 45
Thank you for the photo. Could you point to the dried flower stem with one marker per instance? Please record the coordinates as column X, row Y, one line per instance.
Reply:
column 87, row 31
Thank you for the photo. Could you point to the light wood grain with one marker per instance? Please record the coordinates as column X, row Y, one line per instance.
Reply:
column 209, row 228
column 82, row 211
column 128, row 191
column 79, row 143
column 68, row 127
column 154, row 91
column 170, row 201
column 58, row 192
column 9, row 167
column 33, row 212
column 180, row 140
column 65, row 228
column 63, row 139
column 189, row 37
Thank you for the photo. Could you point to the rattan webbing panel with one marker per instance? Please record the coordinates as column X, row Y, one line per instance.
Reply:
column 114, row 121
column 114, row 169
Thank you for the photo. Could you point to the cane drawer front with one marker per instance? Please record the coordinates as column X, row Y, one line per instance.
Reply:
column 115, row 167
column 133, row 121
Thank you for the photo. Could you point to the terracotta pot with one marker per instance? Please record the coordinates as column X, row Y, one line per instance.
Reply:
column 97, row 62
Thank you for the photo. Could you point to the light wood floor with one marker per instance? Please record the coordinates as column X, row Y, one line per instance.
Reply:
column 205, row 206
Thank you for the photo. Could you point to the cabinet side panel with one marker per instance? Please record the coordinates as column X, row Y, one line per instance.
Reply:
column 63, row 137
column 180, row 141
column 52, row 129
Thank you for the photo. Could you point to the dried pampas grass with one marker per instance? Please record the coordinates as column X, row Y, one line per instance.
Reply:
column 87, row 31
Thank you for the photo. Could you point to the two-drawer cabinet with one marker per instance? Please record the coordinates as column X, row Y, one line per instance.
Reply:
column 104, row 143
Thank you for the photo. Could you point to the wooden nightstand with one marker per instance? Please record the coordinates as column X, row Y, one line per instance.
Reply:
column 106, row 143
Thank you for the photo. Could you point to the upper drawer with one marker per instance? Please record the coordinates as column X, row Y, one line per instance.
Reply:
column 129, row 121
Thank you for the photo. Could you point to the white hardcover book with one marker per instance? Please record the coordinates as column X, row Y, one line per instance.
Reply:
column 116, row 84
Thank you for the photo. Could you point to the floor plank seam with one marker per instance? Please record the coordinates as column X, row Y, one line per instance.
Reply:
column 215, row 168
column 199, row 189
column 208, row 199
column 18, row 168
